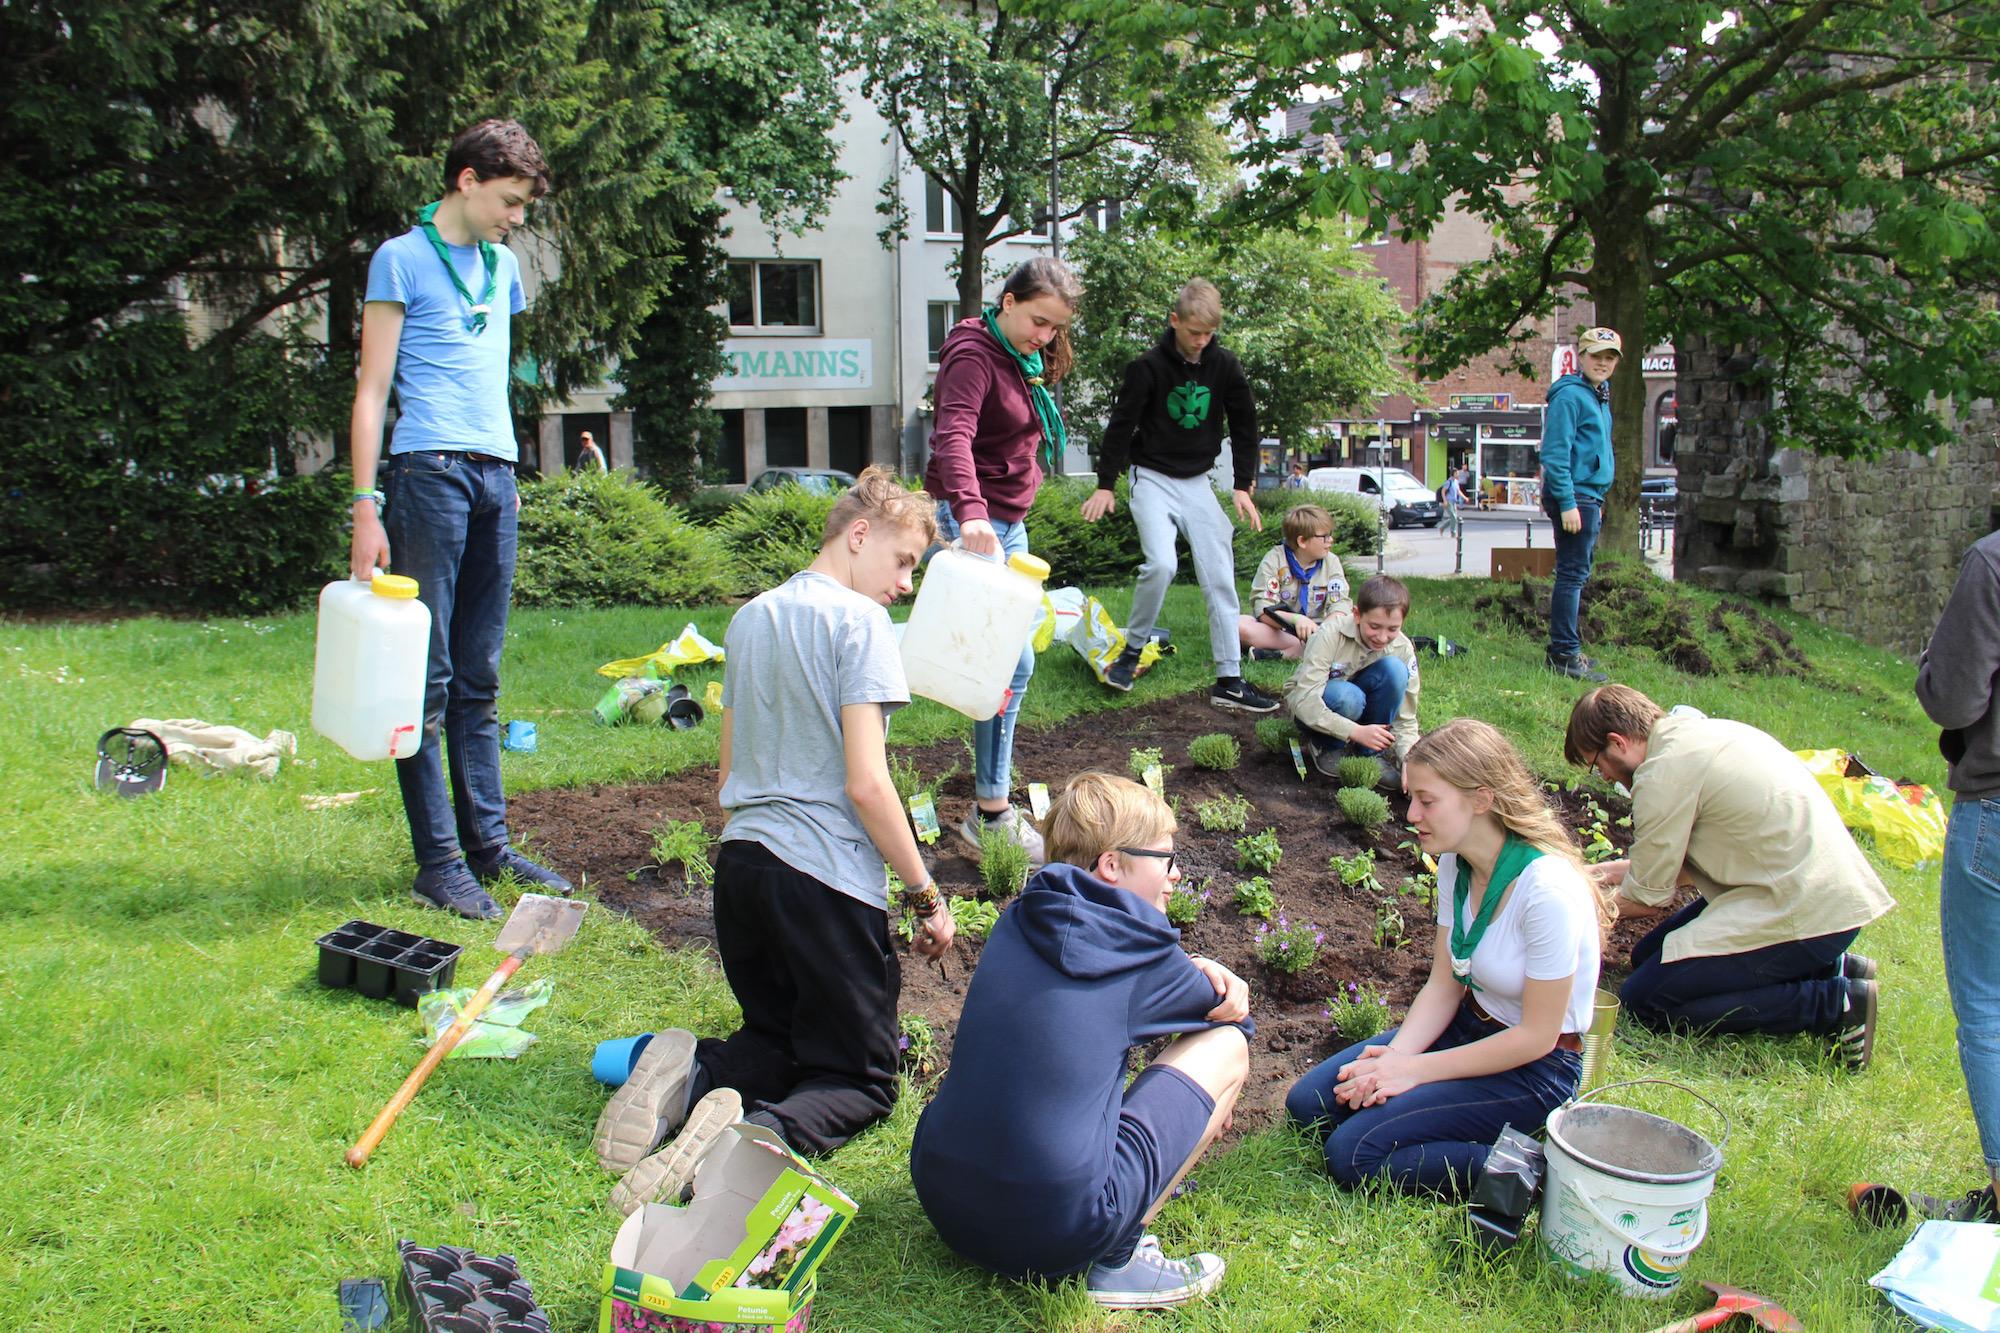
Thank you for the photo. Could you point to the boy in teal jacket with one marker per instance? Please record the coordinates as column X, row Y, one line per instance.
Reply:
column 1576, row 472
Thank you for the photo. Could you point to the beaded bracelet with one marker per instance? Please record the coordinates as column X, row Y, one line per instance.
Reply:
column 923, row 901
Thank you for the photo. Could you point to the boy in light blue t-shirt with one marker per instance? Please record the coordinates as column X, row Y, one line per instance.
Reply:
column 437, row 328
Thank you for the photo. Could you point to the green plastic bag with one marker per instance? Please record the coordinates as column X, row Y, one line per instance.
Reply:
column 497, row 1034
column 1907, row 821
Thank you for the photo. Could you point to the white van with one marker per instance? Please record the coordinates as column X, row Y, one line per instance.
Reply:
column 1404, row 499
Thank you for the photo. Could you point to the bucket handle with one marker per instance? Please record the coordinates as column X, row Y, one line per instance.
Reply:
column 1638, row 1243
column 1595, row 1093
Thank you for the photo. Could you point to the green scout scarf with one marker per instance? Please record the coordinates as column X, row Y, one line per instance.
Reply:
column 476, row 321
column 1515, row 856
column 1054, row 437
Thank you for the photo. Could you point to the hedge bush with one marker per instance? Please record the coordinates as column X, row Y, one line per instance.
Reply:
column 1086, row 554
column 604, row 539
column 768, row 536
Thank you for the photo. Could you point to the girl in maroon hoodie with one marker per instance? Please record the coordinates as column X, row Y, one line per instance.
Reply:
column 995, row 414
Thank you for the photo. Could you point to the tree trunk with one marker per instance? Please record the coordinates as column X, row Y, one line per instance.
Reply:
column 971, row 269
column 1621, row 274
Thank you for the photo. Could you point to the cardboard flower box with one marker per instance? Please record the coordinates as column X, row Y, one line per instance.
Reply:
column 739, row 1258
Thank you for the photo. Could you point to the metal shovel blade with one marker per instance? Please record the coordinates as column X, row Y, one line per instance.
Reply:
column 540, row 924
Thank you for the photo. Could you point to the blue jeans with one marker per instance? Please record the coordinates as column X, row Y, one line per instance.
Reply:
column 993, row 739
column 1370, row 697
column 1434, row 1138
column 1791, row 987
column 451, row 526
column 1969, row 915
column 1574, row 554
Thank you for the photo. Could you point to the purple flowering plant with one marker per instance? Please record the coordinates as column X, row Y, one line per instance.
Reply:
column 1288, row 948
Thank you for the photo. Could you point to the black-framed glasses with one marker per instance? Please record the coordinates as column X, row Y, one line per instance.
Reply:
column 1171, row 857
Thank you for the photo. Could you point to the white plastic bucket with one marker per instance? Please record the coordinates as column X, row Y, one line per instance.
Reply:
column 1626, row 1193
column 370, row 665
column 965, row 634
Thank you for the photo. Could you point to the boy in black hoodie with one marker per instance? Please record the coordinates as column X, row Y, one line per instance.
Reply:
column 1034, row 1158
column 1167, row 424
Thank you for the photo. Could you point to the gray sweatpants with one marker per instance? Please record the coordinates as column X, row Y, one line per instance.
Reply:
column 1163, row 507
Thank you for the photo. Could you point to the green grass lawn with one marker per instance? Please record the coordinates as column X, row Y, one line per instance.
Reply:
column 176, row 1090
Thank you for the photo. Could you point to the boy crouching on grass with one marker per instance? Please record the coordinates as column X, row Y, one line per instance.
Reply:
column 801, row 900
column 1355, row 691
column 1034, row 1159
column 1299, row 583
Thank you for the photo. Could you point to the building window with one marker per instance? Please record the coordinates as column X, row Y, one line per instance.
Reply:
column 774, row 294
column 1666, row 425
column 785, row 437
column 943, row 315
column 1103, row 214
column 847, row 438
column 1036, row 224
column 729, row 451
column 941, row 217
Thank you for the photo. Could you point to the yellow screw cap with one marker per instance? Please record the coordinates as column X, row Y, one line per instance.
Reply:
column 394, row 585
column 1032, row 565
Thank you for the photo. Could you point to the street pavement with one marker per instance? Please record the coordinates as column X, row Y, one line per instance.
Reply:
column 1433, row 552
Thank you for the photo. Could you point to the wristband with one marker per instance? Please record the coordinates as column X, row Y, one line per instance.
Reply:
column 924, row 900
column 376, row 496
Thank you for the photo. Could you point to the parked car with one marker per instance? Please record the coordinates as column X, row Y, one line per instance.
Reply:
column 1659, row 497
column 1405, row 500
column 819, row 480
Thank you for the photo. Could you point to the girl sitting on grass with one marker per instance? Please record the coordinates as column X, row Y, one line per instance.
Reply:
column 1494, row 1037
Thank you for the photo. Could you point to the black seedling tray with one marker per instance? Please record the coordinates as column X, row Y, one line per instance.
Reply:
column 448, row 1289
column 381, row 963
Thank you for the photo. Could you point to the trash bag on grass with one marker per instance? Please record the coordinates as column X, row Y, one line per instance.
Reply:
column 1906, row 820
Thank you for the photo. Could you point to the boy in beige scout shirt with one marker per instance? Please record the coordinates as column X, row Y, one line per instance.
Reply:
column 1727, row 810
column 1355, row 690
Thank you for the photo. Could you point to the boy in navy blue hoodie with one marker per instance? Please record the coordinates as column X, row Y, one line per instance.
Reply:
column 1035, row 1159
column 1577, row 469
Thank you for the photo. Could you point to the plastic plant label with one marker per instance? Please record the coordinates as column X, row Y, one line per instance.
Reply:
column 1299, row 760
column 1155, row 782
column 923, row 814
column 1038, row 799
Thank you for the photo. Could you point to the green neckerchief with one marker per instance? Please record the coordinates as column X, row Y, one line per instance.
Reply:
column 1515, row 856
column 1054, row 437
column 476, row 321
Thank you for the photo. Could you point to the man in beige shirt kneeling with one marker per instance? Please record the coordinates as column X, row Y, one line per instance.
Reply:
column 1724, row 809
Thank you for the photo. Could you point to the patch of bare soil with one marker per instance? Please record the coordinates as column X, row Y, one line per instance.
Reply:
column 605, row 833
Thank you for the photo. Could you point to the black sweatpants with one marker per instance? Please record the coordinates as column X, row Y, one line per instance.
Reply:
column 817, row 979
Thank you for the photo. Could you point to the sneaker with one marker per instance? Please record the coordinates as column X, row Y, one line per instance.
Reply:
column 1239, row 694
column 1854, row 1039
column 666, row 1176
column 1266, row 655
column 1857, row 967
column 1577, row 667
column 524, row 870
column 1151, row 1281
column 973, row 831
column 1121, row 672
column 649, row 1105
column 452, row 887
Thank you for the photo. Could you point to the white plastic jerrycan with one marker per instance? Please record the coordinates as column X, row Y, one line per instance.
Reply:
column 370, row 667
column 966, row 632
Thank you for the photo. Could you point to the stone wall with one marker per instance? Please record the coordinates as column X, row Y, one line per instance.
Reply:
column 1871, row 548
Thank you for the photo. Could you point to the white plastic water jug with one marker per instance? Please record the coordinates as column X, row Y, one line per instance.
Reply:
column 966, row 632
column 370, row 666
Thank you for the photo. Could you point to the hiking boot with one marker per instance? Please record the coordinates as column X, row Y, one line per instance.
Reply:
column 1392, row 772
column 1854, row 1039
column 1120, row 673
column 1857, row 967
column 1266, row 655
column 1323, row 755
column 973, row 830
column 539, row 878
column 649, row 1105
column 666, row 1176
column 1576, row 667
column 1151, row 1281
column 1239, row 694
column 452, row 887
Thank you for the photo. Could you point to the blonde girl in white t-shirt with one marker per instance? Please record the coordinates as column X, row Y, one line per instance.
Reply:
column 1492, row 1039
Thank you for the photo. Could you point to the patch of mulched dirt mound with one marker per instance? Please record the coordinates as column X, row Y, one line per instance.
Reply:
column 1626, row 606
column 605, row 833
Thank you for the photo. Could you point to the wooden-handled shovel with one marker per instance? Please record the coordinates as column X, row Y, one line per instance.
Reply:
column 538, row 924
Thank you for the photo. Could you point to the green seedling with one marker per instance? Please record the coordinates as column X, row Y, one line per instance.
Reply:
column 1359, row 1012
column 1390, row 930
column 975, row 920
column 685, row 841
column 1276, row 734
column 1003, row 863
column 1356, row 871
column 1259, row 852
column 1254, row 897
column 1184, row 904
column 1288, row 948
column 1141, row 760
column 1223, row 814
column 1358, row 770
column 1369, row 809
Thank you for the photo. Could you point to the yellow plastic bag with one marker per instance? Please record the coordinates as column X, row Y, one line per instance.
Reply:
column 688, row 649
column 1907, row 822
column 1100, row 640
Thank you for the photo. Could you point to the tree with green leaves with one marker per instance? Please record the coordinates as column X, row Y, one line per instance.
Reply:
column 1814, row 184
column 986, row 101
column 1315, row 329
column 190, row 202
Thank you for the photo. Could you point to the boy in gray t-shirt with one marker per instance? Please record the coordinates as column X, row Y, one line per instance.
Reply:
column 801, row 899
